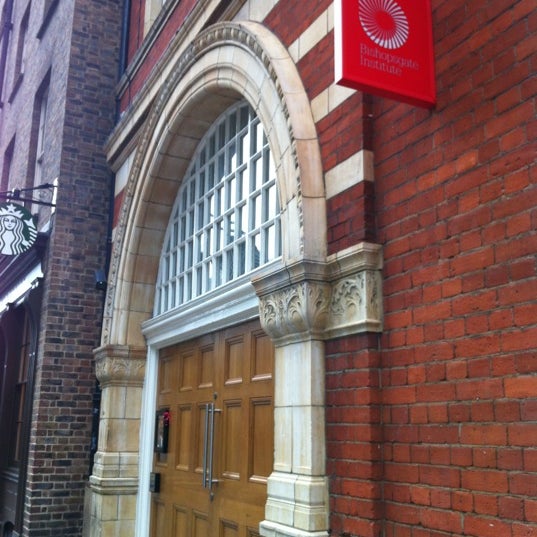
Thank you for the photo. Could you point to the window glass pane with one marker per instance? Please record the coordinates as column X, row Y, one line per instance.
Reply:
column 221, row 167
column 225, row 219
column 256, row 174
column 219, row 235
column 244, row 117
column 192, row 193
column 271, row 202
column 232, row 125
column 229, row 229
column 256, row 211
column 199, row 248
column 211, row 175
column 221, row 135
column 241, row 258
column 256, row 250
column 229, row 265
column 201, row 216
column 172, row 294
column 190, row 227
column 220, row 209
column 202, row 185
column 198, row 281
column 218, row 275
column 231, row 158
column 231, row 192
column 183, row 228
column 257, row 137
column 242, row 185
column 212, row 144
column 242, row 220
column 244, row 144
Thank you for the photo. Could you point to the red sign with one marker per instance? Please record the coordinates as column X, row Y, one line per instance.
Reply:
column 385, row 47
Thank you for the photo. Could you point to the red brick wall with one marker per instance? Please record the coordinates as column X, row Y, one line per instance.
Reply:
column 136, row 27
column 456, row 212
column 290, row 18
column 155, row 52
column 432, row 426
column 351, row 217
column 354, row 436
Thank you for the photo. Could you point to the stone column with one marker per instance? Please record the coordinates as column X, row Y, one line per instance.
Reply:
column 301, row 305
column 114, row 483
column 294, row 305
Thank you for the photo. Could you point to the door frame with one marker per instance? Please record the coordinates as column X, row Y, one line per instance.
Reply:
column 236, row 304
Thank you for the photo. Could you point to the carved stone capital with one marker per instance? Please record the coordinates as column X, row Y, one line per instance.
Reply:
column 296, row 313
column 294, row 302
column 119, row 365
column 356, row 303
column 312, row 300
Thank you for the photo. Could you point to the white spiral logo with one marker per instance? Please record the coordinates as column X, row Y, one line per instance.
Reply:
column 384, row 22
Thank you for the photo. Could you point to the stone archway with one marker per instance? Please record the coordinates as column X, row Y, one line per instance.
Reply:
column 225, row 63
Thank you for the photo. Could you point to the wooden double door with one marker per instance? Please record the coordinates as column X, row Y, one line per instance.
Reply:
column 217, row 443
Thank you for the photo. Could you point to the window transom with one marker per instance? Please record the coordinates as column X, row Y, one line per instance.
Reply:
column 225, row 222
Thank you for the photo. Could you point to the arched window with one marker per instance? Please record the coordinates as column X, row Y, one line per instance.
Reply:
column 225, row 222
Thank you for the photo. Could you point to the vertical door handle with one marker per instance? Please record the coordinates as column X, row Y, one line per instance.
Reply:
column 205, row 445
column 208, row 447
column 211, row 446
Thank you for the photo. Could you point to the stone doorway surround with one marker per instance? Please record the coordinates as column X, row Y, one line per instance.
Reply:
column 303, row 299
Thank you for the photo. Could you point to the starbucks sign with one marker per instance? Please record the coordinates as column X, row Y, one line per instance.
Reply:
column 17, row 229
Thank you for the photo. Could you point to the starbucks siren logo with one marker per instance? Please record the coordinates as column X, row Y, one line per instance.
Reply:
column 384, row 22
column 17, row 229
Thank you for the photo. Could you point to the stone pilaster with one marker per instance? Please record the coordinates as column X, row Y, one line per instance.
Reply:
column 300, row 306
column 114, row 483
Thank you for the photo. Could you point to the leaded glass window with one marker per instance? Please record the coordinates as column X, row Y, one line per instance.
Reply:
column 225, row 222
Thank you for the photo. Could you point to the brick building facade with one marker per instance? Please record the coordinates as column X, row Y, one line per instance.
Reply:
column 400, row 302
column 320, row 313
column 58, row 70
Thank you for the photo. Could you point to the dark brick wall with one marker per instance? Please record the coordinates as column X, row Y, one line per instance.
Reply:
column 80, row 50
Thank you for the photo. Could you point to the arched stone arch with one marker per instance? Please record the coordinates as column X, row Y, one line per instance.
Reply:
column 227, row 62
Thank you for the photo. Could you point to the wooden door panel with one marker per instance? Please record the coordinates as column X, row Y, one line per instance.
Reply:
column 233, row 370
column 234, row 360
column 167, row 376
column 231, row 443
column 207, row 366
column 199, row 438
column 180, row 522
column 188, row 371
column 185, row 448
column 228, row 529
column 200, row 525
column 262, row 445
column 238, row 511
column 261, row 356
column 235, row 349
column 158, row 518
